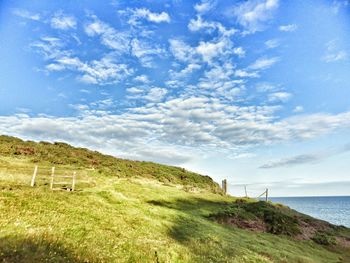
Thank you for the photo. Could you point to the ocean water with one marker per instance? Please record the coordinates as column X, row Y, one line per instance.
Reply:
column 334, row 209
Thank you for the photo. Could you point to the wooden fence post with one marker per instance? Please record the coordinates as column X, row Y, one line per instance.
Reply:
column 224, row 186
column 34, row 175
column 52, row 176
column 73, row 183
column 267, row 194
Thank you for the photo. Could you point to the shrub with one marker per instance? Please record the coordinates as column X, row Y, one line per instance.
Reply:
column 276, row 219
column 324, row 239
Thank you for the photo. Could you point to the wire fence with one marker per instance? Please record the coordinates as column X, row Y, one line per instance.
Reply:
column 257, row 191
column 42, row 175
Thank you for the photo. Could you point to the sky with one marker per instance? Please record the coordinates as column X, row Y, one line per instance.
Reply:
column 253, row 91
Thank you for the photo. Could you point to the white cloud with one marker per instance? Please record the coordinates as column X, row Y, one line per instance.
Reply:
column 142, row 79
column 210, row 50
column 143, row 13
column 204, row 6
column 338, row 5
column 100, row 72
column 199, row 24
column 187, row 71
column 239, row 51
column 26, row 14
column 85, row 91
column 264, row 86
column 181, row 50
column 253, row 14
column 50, row 48
column 198, row 123
column 219, row 81
column 245, row 74
column 134, row 90
column 263, row 63
column 334, row 52
column 156, row 94
column 62, row 21
column 279, row 96
column 153, row 95
column 145, row 51
column 337, row 56
column 158, row 18
column 288, row 28
column 272, row 43
column 310, row 158
column 298, row 109
column 54, row 67
column 110, row 37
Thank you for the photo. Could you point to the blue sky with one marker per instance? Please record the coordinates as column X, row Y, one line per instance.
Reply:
column 253, row 91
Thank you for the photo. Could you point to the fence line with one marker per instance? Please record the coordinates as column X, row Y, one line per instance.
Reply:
column 53, row 182
column 256, row 191
column 48, row 168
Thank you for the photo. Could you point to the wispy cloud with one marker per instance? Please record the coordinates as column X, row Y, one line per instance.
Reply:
column 306, row 158
column 253, row 15
column 272, row 43
column 298, row 109
column 109, row 36
column 288, row 28
column 26, row 14
column 145, row 51
column 50, row 47
column 263, row 63
column 199, row 23
column 182, row 51
column 338, row 5
column 102, row 71
column 211, row 52
column 334, row 52
column 62, row 21
column 204, row 6
column 280, row 96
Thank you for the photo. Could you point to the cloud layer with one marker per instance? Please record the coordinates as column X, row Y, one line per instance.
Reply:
column 150, row 82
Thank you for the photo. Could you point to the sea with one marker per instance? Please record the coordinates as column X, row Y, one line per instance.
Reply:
column 334, row 209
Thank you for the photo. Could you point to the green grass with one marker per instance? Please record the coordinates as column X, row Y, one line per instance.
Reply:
column 62, row 154
column 130, row 219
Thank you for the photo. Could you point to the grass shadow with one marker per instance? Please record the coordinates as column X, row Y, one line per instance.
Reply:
column 209, row 241
column 193, row 217
column 25, row 250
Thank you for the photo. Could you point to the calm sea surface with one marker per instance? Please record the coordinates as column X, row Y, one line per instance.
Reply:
column 334, row 209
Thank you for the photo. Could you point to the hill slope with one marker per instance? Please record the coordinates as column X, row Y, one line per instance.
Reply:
column 125, row 211
column 62, row 154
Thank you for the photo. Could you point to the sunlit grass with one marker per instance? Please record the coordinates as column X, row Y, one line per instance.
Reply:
column 124, row 211
column 130, row 220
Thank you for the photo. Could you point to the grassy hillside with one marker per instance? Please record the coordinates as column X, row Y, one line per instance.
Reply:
column 62, row 154
column 125, row 211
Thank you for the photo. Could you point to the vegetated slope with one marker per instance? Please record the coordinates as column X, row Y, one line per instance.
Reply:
column 59, row 153
column 281, row 220
column 114, row 218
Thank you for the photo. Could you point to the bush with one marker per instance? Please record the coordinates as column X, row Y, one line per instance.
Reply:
column 324, row 239
column 236, row 212
column 280, row 224
column 277, row 220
